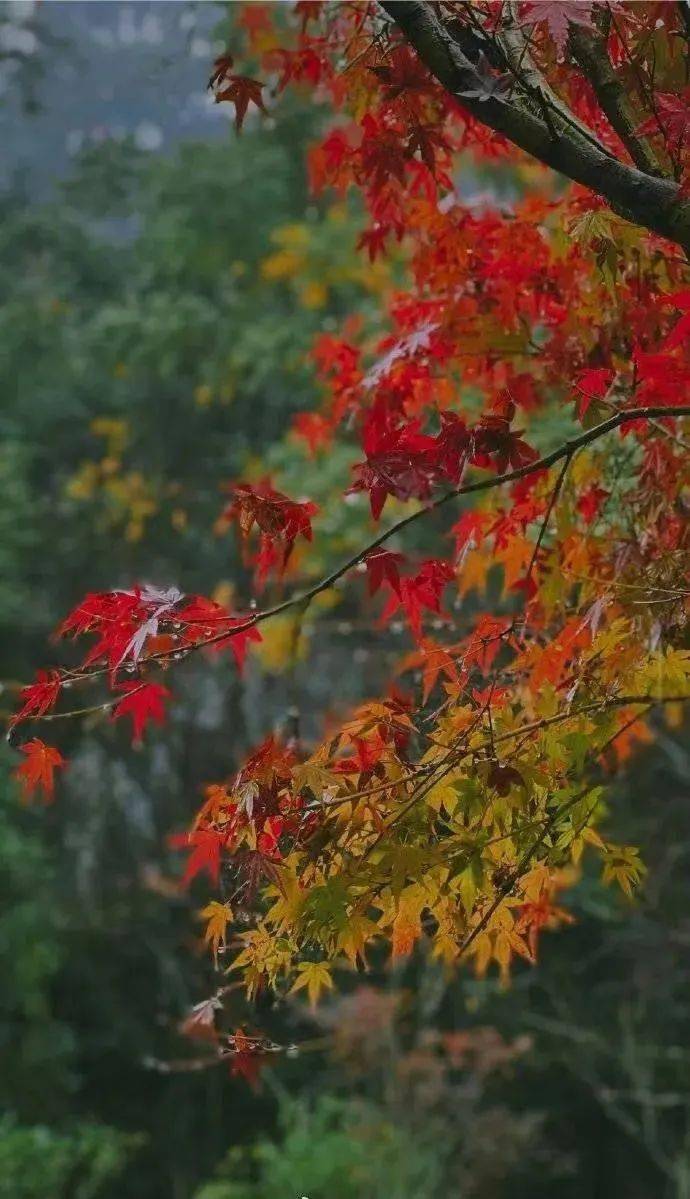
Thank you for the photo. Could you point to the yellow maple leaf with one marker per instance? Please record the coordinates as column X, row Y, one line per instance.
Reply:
column 316, row 978
column 284, row 914
column 352, row 941
column 623, row 866
column 218, row 915
column 473, row 571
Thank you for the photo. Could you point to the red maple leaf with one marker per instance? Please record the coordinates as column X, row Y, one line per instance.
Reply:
column 38, row 697
column 559, row 15
column 468, row 531
column 37, row 771
column 382, row 566
column 240, row 640
column 590, row 502
column 205, row 620
column 538, row 915
column 204, row 847
column 453, row 443
column 247, row 1060
column 278, row 518
column 383, row 153
column 490, row 633
column 239, row 90
column 314, row 428
column 374, row 240
column 592, row 385
column 527, row 585
column 402, row 72
column 301, row 64
column 496, row 445
column 672, row 117
column 420, row 591
column 143, row 702
column 679, row 334
column 401, row 461
column 432, row 660
column 267, row 841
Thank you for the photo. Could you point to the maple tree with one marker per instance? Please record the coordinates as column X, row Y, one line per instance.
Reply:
column 454, row 807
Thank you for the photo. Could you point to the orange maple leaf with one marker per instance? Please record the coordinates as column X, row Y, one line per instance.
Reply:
column 37, row 771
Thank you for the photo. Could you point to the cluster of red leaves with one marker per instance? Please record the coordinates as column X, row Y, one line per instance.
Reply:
column 39, row 697
column 252, row 818
column 246, row 1055
column 403, row 462
column 420, row 591
column 278, row 519
column 134, row 631
column 477, row 277
column 501, row 308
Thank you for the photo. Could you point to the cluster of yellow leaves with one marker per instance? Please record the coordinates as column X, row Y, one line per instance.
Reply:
column 466, row 849
column 463, row 839
column 205, row 395
column 315, row 262
column 128, row 496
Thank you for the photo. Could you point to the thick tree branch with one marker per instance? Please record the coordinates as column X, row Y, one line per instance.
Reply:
column 590, row 52
column 509, row 51
column 643, row 199
column 684, row 8
column 515, row 44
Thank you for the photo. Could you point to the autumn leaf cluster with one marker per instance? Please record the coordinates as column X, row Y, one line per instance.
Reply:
column 526, row 402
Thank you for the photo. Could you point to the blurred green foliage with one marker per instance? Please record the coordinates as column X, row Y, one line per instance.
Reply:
column 336, row 1149
column 38, row 1162
column 154, row 320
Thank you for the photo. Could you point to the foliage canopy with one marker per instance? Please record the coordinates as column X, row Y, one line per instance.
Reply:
column 516, row 404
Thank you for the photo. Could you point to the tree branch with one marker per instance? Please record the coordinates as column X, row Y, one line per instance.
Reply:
column 564, row 451
column 551, row 821
column 645, row 200
column 509, row 51
column 515, row 45
column 590, row 52
column 512, row 476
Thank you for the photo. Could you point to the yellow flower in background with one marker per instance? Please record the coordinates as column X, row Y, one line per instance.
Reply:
column 313, row 295
column 84, row 482
column 129, row 498
column 283, row 643
column 375, row 277
column 291, row 258
column 295, row 236
column 110, row 465
column 114, row 432
column 283, row 265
